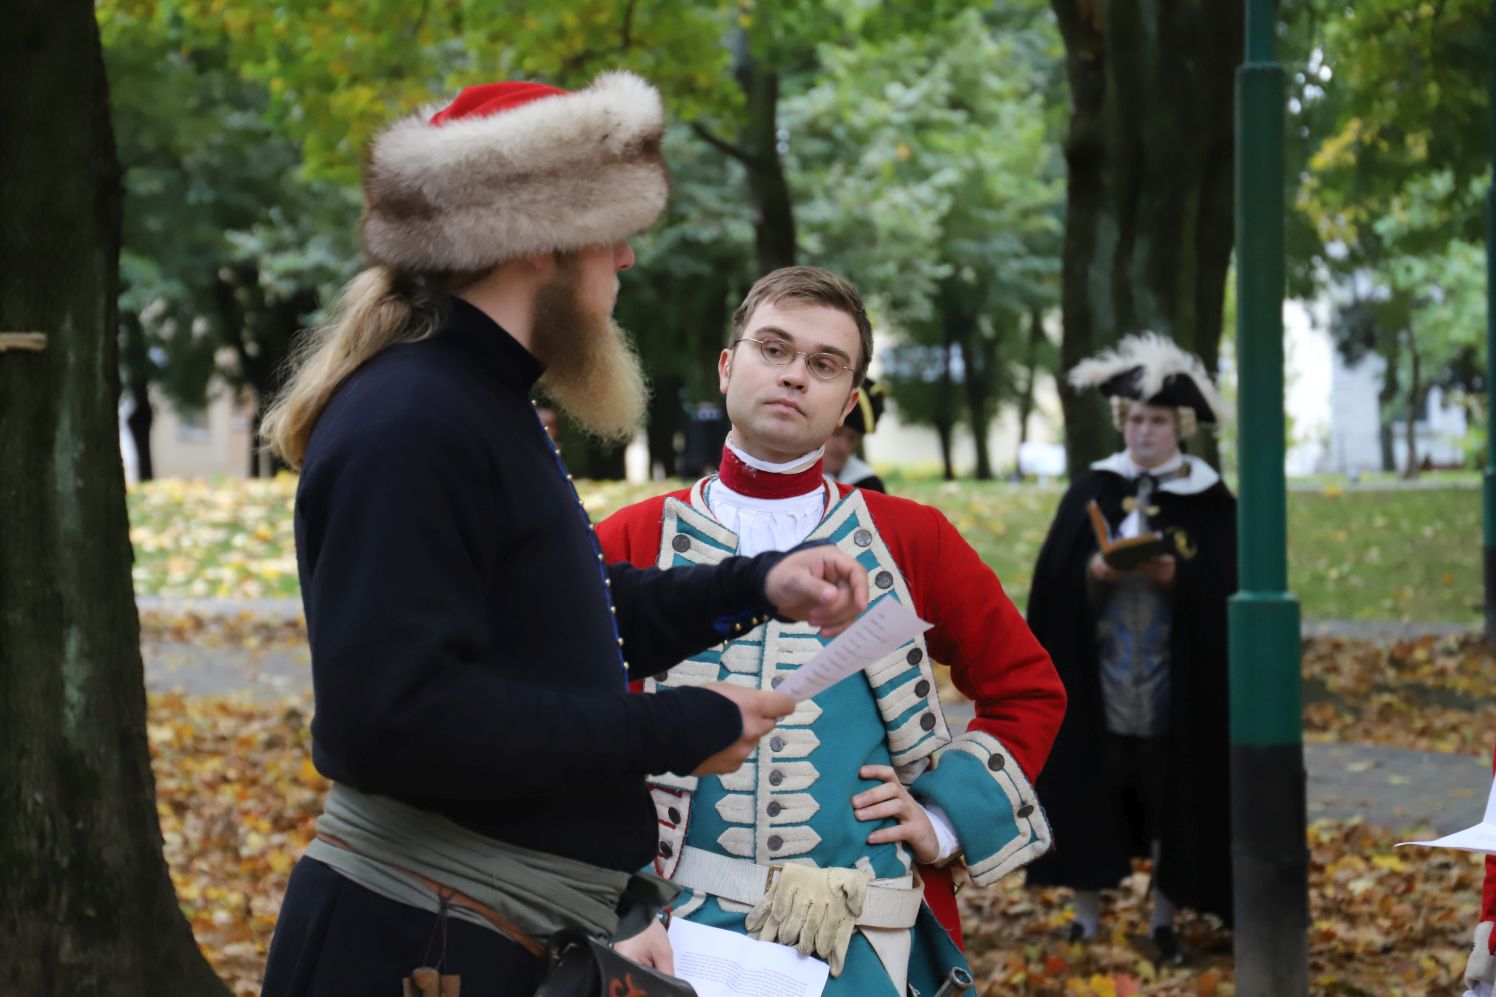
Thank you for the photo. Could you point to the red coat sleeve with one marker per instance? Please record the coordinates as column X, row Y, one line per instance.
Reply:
column 994, row 658
column 633, row 534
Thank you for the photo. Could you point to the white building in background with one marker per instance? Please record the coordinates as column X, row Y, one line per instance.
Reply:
column 1335, row 411
column 213, row 442
column 917, row 448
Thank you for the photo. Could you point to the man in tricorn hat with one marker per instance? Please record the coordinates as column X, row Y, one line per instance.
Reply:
column 471, row 647
column 1141, row 763
column 842, row 462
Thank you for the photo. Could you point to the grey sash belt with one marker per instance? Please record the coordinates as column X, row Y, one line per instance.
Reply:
column 429, row 862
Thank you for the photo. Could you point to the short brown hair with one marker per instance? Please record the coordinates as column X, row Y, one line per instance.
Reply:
column 811, row 285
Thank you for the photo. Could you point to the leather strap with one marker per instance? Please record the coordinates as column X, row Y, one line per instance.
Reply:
column 454, row 898
column 889, row 904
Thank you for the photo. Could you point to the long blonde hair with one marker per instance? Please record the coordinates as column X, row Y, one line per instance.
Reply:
column 378, row 309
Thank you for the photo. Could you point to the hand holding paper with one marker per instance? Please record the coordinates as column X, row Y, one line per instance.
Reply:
column 876, row 633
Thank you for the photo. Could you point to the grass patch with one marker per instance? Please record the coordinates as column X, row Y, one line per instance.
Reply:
column 1405, row 554
column 1391, row 554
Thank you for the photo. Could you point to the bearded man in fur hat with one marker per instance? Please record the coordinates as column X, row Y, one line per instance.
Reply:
column 471, row 648
column 1140, row 767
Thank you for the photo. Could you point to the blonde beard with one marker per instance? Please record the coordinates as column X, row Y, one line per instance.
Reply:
column 592, row 372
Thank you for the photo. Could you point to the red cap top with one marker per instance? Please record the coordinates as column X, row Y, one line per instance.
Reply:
column 491, row 98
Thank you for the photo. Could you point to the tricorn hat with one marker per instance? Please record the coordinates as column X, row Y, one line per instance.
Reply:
column 1150, row 368
column 515, row 168
column 869, row 408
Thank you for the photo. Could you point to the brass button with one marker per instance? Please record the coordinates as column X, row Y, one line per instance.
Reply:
column 774, row 809
column 666, row 850
column 922, row 688
column 862, row 538
column 674, row 815
column 776, row 777
column 915, row 656
column 927, row 721
column 1025, row 810
column 681, row 543
column 884, row 580
column 775, row 842
column 996, row 763
column 776, row 743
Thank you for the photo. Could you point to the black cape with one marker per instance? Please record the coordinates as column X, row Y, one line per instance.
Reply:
column 1096, row 837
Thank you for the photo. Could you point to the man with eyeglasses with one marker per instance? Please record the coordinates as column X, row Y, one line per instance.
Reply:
column 824, row 838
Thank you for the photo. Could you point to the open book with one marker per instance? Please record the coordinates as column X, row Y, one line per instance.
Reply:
column 1124, row 555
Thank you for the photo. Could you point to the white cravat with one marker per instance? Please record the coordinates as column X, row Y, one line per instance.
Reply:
column 1132, row 525
column 767, row 524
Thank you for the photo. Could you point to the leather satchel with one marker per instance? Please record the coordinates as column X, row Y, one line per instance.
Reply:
column 581, row 966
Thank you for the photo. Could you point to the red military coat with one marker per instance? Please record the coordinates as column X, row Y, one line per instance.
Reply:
column 994, row 659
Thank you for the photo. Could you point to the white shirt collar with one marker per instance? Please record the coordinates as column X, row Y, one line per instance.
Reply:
column 766, row 524
column 1201, row 475
column 788, row 467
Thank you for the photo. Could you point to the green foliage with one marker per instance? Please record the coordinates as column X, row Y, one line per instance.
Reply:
column 225, row 244
column 336, row 72
column 922, row 155
column 930, row 174
column 1390, row 143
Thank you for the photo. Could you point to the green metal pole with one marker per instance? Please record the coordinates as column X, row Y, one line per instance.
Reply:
column 1489, row 503
column 1270, row 855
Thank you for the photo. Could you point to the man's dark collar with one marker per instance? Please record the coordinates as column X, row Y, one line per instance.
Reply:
column 492, row 348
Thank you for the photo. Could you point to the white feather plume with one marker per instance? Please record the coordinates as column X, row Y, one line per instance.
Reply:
column 1159, row 358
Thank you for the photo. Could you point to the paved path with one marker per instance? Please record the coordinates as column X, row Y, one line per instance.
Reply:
column 1389, row 787
column 220, row 671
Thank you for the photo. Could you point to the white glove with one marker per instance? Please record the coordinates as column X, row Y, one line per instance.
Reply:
column 1481, row 968
column 815, row 910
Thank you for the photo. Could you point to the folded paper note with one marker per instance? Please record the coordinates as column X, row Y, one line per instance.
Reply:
column 1476, row 838
column 875, row 635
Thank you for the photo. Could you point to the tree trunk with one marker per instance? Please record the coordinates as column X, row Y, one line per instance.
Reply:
column 979, row 353
column 86, row 905
column 945, row 421
column 774, row 219
column 945, row 431
column 1149, row 227
column 1385, row 398
column 1030, row 373
column 1416, row 392
column 137, row 367
column 758, row 150
column 142, row 417
column 664, row 423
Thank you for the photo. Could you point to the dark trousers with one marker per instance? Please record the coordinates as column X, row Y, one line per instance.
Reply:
column 1135, row 772
column 336, row 938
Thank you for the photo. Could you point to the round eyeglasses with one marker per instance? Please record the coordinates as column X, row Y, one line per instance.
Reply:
column 822, row 366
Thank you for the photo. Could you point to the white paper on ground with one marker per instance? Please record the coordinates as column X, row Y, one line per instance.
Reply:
column 1476, row 838
column 721, row 963
column 876, row 633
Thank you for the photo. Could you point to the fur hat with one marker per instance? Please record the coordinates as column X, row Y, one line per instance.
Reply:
column 515, row 168
column 869, row 408
column 1152, row 369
